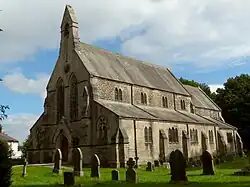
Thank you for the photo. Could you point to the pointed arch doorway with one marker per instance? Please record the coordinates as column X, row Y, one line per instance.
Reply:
column 63, row 145
column 121, row 149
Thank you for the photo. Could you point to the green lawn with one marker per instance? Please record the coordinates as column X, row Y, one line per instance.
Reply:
column 43, row 177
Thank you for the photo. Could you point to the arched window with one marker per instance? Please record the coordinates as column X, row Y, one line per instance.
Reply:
column 146, row 134
column 105, row 134
column 73, row 98
column 116, row 94
column 145, row 98
column 183, row 107
column 142, row 98
column 191, row 108
column 173, row 134
column 66, row 30
column 176, row 135
column 196, row 136
column 120, row 95
column 103, row 130
column 211, row 137
column 165, row 102
column 150, row 133
column 60, row 99
column 66, row 43
column 191, row 135
column 170, row 137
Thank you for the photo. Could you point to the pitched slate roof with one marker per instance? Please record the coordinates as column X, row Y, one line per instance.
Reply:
column 221, row 124
column 125, row 110
column 200, row 99
column 7, row 138
column 103, row 63
column 152, row 113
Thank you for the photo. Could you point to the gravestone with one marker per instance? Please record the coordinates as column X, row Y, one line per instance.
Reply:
column 136, row 162
column 77, row 162
column 69, row 178
column 178, row 167
column 207, row 162
column 95, row 166
column 25, row 168
column 244, row 171
column 58, row 162
column 149, row 166
column 168, row 165
column 131, row 176
column 115, row 175
column 156, row 163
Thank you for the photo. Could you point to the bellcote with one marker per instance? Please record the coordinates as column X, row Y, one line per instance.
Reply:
column 69, row 33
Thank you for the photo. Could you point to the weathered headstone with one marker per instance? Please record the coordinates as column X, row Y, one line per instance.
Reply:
column 69, row 178
column 149, row 166
column 168, row 165
column 156, row 163
column 77, row 162
column 25, row 168
column 131, row 173
column 115, row 175
column 207, row 162
column 95, row 166
column 178, row 167
column 58, row 161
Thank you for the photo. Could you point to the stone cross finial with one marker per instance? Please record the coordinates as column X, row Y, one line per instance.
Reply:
column 130, row 163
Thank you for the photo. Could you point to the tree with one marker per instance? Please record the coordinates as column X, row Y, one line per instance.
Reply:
column 3, row 114
column 5, row 165
column 234, row 100
column 25, row 147
column 203, row 86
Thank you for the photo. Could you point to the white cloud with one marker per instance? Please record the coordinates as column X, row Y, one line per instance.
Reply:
column 205, row 32
column 18, row 125
column 17, row 82
column 214, row 87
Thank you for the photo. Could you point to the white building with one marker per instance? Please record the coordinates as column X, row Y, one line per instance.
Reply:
column 13, row 143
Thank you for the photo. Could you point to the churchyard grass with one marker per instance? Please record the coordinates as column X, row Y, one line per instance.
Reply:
column 43, row 177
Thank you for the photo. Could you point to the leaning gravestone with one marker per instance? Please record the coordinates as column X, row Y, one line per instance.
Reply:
column 207, row 162
column 156, row 163
column 178, row 167
column 115, row 175
column 149, row 166
column 244, row 171
column 131, row 176
column 69, row 178
column 95, row 166
column 25, row 168
column 77, row 162
column 58, row 162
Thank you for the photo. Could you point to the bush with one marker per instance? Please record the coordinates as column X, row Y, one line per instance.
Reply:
column 5, row 165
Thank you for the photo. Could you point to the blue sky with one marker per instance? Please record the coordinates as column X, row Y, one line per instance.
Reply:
column 200, row 40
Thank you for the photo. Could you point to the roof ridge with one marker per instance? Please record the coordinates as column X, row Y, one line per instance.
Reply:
column 125, row 56
column 135, row 71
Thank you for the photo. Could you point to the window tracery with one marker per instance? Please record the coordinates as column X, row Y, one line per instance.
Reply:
column 73, row 98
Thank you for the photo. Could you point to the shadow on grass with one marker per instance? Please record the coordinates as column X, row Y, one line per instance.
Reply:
column 147, row 184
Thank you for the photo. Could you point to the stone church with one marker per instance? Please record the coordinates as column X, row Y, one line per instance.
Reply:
column 119, row 107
